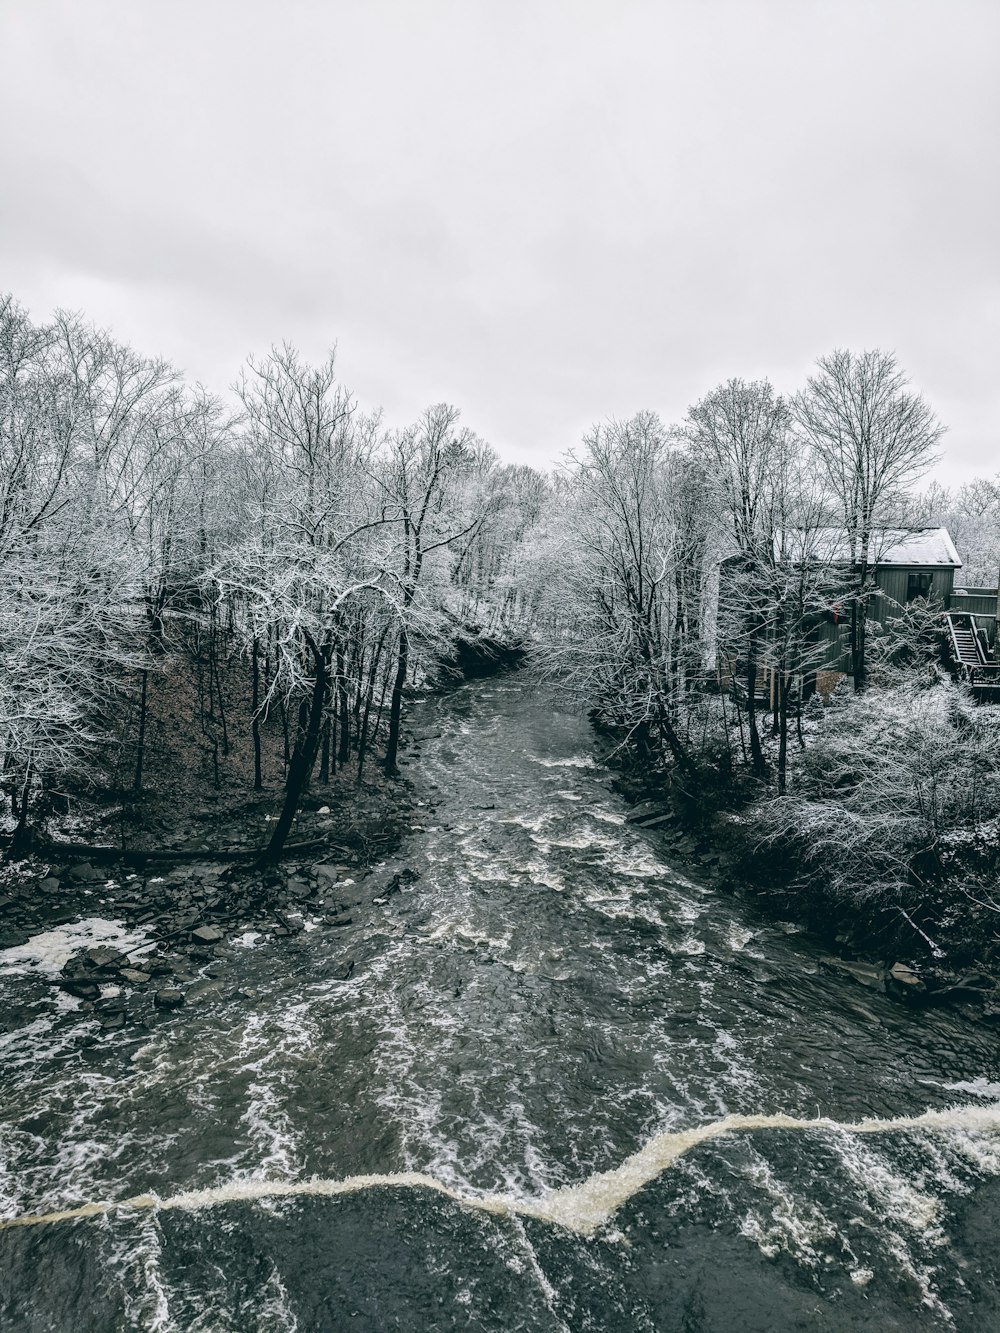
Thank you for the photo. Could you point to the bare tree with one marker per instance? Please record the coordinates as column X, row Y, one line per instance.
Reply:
column 416, row 484
column 872, row 438
column 742, row 430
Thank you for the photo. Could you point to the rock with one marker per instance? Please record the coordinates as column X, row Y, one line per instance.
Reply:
column 654, row 821
column 646, row 810
column 975, row 986
column 133, row 977
column 323, row 810
column 49, row 885
column 85, row 873
column 169, row 998
column 869, row 974
column 203, row 990
column 208, row 934
column 80, row 987
column 905, row 977
column 327, row 872
column 101, row 957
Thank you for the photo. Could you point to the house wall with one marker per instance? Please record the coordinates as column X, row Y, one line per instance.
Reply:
column 892, row 580
column 981, row 603
column 891, row 583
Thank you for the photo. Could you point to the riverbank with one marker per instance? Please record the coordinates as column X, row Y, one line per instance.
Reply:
column 131, row 941
column 878, row 945
column 152, row 929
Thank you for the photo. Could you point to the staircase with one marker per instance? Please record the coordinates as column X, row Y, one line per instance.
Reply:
column 970, row 658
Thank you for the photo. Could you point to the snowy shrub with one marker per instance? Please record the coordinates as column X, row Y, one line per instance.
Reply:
column 900, row 787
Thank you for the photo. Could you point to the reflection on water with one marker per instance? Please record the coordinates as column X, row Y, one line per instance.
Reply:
column 533, row 1031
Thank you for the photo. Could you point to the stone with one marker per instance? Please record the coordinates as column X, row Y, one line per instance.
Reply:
column 84, row 872
column 49, row 885
column 903, row 975
column 323, row 810
column 645, row 810
column 203, row 990
column 101, row 957
column 80, row 987
column 133, row 977
column 869, row 974
column 208, row 934
column 169, row 998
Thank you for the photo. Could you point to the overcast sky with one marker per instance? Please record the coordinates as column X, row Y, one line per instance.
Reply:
column 546, row 213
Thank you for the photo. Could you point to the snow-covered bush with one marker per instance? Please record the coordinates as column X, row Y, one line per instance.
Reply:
column 899, row 789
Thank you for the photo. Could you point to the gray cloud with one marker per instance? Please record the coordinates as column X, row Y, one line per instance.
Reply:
column 544, row 212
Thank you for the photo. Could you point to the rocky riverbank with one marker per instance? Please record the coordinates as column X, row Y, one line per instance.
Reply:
column 876, row 949
column 128, row 943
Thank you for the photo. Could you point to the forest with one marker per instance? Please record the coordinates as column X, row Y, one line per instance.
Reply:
column 242, row 592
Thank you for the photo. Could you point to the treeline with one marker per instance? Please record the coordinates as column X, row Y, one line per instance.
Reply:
column 285, row 533
column 669, row 578
column 686, row 576
column 681, row 562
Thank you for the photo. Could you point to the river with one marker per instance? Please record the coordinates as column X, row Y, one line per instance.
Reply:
column 566, row 1086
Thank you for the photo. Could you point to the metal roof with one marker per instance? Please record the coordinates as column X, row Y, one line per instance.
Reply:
column 908, row 547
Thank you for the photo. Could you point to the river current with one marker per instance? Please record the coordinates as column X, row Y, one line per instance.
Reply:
column 565, row 1086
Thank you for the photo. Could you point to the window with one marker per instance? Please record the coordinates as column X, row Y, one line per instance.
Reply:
column 918, row 585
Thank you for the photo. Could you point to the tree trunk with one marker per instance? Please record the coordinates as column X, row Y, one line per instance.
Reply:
column 22, row 840
column 140, row 747
column 344, row 752
column 860, row 661
column 757, row 763
column 783, row 689
column 324, row 753
column 255, row 719
column 396, row 704
column 303, row 757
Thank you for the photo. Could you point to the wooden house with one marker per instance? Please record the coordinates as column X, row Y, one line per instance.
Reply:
column 909, row 563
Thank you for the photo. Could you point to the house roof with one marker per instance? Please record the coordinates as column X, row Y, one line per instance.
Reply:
column 908, row 547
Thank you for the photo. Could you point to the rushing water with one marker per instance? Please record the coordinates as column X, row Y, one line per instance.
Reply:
column 565, row 1087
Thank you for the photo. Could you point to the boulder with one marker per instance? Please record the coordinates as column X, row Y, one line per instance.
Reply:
column 134, row 977
column 645, row 811
column 869, row 974
column 169, row 998
column 203, row 990
column 84, row 873
column 904, row 977
column 80, row 987
column 101, row 957
column 208, row 934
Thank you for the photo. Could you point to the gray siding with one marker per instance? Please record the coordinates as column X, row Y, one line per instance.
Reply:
column 979, row 603
column 892, row 581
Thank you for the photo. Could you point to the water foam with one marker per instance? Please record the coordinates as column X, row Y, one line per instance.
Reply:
column 46, row 953
column 582, row 1209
